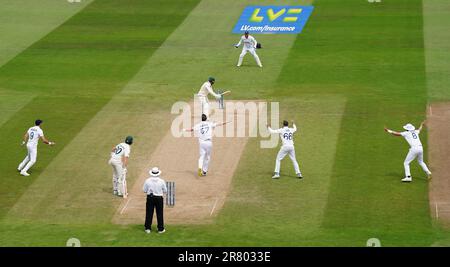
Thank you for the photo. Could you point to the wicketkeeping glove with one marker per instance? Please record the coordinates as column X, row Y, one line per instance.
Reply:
column 258, row 46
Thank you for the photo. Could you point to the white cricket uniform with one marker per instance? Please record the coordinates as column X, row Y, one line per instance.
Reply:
column 119, row 173
column 203, row 93
column 415, row 151
column 203, row 131
column 249, row 46
column 34, row 134
column 287, row 148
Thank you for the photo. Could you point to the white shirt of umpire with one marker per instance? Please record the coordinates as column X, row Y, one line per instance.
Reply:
column 155, row 186
column 122, row 149
column 415, row 151
column 203, row 131
column 203, row 96
column 34, row 134
column 249, row 46
column 287, row 148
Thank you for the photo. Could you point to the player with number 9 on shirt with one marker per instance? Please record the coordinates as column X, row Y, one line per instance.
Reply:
column 31, row 138
column 287, row 148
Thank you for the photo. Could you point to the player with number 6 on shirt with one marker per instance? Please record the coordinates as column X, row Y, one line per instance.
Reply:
column 119, row 163
column 31, row 138
column 287, row 148
column 411, row 136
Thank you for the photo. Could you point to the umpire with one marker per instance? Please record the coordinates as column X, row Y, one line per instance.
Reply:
column 155, row 188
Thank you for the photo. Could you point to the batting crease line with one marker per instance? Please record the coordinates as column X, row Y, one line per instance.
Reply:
column 126, row 204
column 437, row 211
column 215, row 203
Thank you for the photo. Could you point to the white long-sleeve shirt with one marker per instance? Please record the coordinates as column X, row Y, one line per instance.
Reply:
column 155, row 186
column 207, row 89
column 249, row 42
column 121, row 150
column 203, row 130
column 286, row 134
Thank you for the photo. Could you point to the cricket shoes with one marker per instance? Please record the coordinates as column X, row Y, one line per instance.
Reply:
column 407, row 179
column 115, row 192
column 200, row 172
column 162, row 232
column 24, row 173
column 276, row 176
column 299, row 176
column 429, row 176
column 148, row 231
column 203, row 173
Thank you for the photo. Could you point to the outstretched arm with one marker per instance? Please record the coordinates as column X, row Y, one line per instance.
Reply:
column 211, row 91
column 421, row 126
column 272, row 131
column 392, row 132
column 46, row 141
column 223, row 123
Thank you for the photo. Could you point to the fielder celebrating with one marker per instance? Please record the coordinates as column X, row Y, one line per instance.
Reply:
column 203, row 131
column 119, row 163
column 31, row 138
column 287, row 148
column 249, row 46
column 203, row 94
column 411, row 135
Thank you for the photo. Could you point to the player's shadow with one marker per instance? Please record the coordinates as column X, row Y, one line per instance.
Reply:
column 400, row 176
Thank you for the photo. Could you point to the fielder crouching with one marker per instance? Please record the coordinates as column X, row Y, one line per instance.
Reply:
column 119, row 163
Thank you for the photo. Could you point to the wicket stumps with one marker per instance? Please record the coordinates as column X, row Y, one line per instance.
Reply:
column 220, row 100
column 170, row 200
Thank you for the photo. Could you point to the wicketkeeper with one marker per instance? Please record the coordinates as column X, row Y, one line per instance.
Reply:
column 119, row 163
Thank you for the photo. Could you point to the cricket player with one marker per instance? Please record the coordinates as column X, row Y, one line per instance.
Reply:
column 119, row 163
column 249, row 46
column 203, row 131
column 203, row 94
column 31, row 138
column 287, row 148
column 411, row 136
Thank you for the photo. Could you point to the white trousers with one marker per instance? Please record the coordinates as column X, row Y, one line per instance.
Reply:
column 415, row 152
column 29, row 160
column 287, row 150
column 204, row 104
column 253, row 52
column 119, row 176
column 205, row 154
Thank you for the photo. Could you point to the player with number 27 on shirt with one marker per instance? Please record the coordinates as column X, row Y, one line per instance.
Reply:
column 287, row 148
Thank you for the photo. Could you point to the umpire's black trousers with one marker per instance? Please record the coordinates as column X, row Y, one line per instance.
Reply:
column 154, row 202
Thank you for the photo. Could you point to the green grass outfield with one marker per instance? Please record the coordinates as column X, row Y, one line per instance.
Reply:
column 94, row 73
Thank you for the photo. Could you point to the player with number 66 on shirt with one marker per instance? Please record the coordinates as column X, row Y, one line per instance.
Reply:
column 287, row 148
column 31, row 138
column 119, row 163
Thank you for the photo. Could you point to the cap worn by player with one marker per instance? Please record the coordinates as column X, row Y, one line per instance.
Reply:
column 129, row 140
column 38, row 122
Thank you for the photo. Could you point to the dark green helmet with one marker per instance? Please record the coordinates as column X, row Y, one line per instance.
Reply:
column 211, row 79
column 129, row 140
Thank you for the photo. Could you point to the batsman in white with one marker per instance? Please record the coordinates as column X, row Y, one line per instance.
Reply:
column 31, row 138
column 249, row 46
column 203, row 94
column 119, row 163
column 411, row 135
column 203, row 131
column 287, row 148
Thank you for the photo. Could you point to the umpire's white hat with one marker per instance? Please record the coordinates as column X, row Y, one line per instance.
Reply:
column 155, row 172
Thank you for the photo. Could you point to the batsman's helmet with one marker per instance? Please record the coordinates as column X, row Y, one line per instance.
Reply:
column 129, row 140
column 211, row 79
